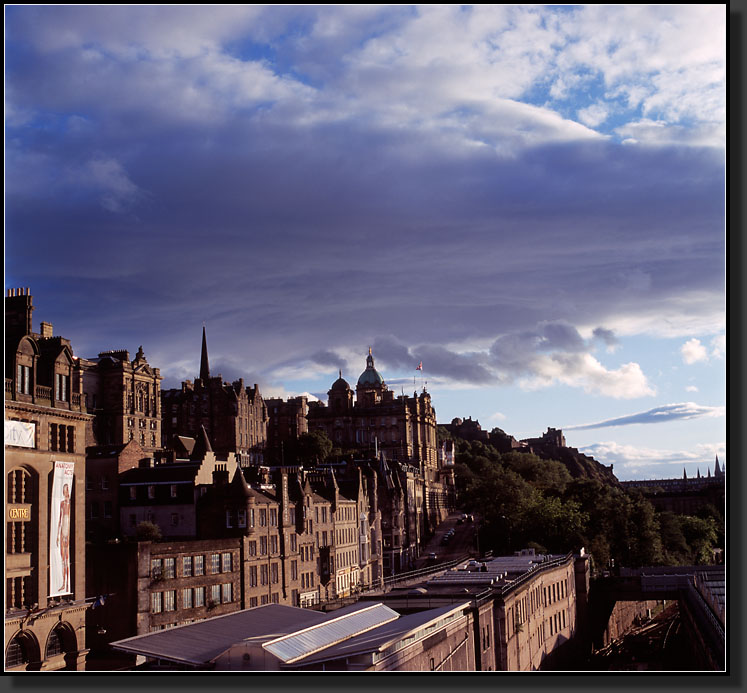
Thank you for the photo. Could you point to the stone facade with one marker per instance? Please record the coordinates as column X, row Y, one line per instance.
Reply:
column 45, row 423
column 125, row 398
column 234, row 416
column 401, row 431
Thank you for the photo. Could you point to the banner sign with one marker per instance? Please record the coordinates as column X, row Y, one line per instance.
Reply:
column 20, row 433
column 60, row 529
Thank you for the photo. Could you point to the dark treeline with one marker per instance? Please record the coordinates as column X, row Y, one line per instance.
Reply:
column 524, row 501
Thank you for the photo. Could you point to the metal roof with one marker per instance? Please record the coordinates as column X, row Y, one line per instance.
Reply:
column 290, row 648
column 201, row 642
column 382, row 637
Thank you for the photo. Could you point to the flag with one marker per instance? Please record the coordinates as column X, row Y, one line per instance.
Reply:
column 420, row 366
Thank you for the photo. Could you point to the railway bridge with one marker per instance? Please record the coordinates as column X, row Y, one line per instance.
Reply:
column 698, row 590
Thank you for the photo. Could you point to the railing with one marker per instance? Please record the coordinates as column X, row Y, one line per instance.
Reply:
column 9, row 385
column 420, row 572
column 43, row 392
column 537, row 568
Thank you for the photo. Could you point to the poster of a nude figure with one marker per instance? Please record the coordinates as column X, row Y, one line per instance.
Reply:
column 60, row 529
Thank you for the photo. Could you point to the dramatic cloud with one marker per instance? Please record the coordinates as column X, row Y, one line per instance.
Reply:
column 635, row 462
column 532, row 183
column 663, row 414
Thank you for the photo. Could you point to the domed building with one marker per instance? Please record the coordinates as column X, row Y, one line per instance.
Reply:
column 398, row 430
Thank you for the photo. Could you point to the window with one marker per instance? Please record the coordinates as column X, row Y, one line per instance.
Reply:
column 61, row 387
column 174, row 519
column 274, row 573
column 199, row 596
column 108, row 509
column 187, row 598
column 263, row 546
column 16, row 654
column 89, row 483
column 169, row 567
column 252, row 548
column 294, row 542
column 199, row 565
column 263, row 517
column 156, row 602
column 263, row 574
column 151, row 492
column 172, row 490
column 229, row 519
column 169, row 600
column 133, row 493
column 23, row 382
column 94, row 511
column 187, row 566
column 54, row 644
column 242, row 518
column 226, row 592
column 251, row 517
column 253, row 602
column 156, row 568
column 214, row 563
column 225, row 563
column 215, row 594
column 273, row 517
column 104, row 483
column 294, row 570
column 253, row 576
column 274, row 544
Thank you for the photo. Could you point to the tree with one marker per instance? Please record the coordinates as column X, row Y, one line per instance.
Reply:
column 148, row 531
column 311, row 448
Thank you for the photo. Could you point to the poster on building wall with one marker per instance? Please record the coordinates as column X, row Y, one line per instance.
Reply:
column 20, row 433
column 60, row 529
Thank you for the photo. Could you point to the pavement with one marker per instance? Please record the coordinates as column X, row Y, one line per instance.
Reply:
column 461, row 543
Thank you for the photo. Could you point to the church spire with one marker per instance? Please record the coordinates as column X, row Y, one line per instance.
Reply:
column 204, row 365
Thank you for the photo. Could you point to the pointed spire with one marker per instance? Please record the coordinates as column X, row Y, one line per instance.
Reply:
column 717, row 469
column 684, row 473
column 204, row 365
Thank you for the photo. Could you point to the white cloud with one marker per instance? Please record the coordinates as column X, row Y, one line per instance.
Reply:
column 584, row 371
column 693, row 351
column 691, row 388
column 718, row 346
column 636, row 461
column 594, row 115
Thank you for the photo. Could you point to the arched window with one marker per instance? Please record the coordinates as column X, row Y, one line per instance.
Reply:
column 21, row 650
column 16, row 654
column 54, row 644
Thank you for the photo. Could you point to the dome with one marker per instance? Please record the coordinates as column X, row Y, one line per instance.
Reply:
column 370, row 377
column 340, row 384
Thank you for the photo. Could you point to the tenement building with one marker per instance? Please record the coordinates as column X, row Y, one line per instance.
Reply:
column 402, row 430
column 234, row 416
column 45, row 433
column 125, row 397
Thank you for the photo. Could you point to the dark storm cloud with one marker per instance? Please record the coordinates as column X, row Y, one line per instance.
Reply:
column 663, row 414
column 291, row 219
column 607, row 336
column 329, row 358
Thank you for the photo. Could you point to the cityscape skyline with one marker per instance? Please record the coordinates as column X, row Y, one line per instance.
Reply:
column 528, row 200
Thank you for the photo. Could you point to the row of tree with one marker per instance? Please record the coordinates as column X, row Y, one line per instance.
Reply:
column 525, row 501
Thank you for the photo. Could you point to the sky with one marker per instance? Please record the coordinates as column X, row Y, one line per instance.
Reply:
column 528, row 199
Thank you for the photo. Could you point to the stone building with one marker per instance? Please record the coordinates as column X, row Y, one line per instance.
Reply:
column 45, row 433
column 367, row 636
column 286, row 420
column 402, row 429
column 234, row 416
column 125, row 397
column 105, row 465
